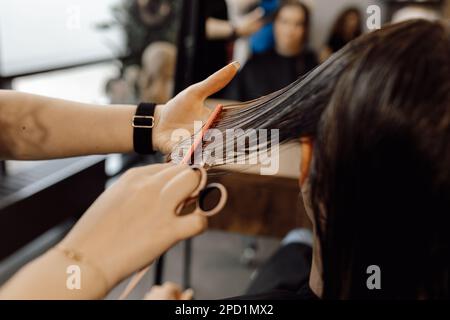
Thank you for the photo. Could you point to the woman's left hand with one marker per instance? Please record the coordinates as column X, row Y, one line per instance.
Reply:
column 188, row 106
column 169, row 291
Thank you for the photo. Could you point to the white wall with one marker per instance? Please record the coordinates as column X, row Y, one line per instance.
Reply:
column 324, row 13
column 43, row 34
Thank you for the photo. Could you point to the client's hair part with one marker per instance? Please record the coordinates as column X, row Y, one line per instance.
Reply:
column 379, row 113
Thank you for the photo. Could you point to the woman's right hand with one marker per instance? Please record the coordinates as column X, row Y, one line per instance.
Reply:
column 250, row 23
column 134, row 221
column 169, row 291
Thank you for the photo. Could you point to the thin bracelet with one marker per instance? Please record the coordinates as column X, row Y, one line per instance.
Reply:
column 78, row 257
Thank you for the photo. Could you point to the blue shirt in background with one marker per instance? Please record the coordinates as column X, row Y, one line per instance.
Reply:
column 263, row 40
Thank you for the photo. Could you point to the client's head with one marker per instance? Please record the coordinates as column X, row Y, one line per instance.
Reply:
column 379, row 174
column 374, row 126
column 291, row 27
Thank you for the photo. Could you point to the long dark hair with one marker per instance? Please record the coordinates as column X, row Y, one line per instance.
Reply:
column 379, row 113
column 381, row 170
column 339, row 25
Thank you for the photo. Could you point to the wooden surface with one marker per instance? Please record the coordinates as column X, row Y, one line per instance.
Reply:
column 260, row 205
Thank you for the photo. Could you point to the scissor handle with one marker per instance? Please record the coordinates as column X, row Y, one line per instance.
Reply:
column 200, row 194
column 202, row 183
column 204, row 193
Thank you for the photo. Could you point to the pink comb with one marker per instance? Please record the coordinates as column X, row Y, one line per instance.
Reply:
column 199, row 138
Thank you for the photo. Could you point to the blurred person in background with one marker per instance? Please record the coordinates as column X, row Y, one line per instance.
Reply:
column 143, row 22
column 347, row 27
column 157, row 74
column 260, row 41
column 220, row 32
column 123, row 89
column 263, row 40
column 291, row 58
column 146, row 21
column 238, row 10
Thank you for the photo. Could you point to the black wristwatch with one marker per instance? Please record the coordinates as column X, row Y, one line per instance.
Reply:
column 143, row 122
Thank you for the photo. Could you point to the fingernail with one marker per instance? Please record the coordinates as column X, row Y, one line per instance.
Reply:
column 236, row 64
column 189, row 293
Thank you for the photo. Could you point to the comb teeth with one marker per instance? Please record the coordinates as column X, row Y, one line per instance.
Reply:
column 199, row 138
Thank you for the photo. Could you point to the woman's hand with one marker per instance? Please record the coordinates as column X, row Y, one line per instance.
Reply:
column 35, row 127
column 250, row 23
column 169, row 291
column 188, row 106
column 134, row 221
column 126, row 228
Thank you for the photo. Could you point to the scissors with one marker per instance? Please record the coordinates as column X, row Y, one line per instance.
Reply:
column 199, row 196
column 203, row 195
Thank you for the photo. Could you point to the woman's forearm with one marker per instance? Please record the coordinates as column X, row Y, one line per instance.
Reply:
column 54, row 276
column 217, row 29
column 36, row 127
